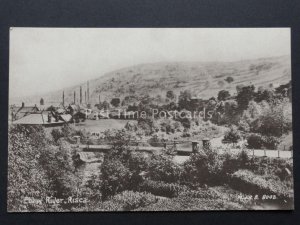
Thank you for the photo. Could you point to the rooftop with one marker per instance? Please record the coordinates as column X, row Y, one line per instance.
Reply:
column 37, row 119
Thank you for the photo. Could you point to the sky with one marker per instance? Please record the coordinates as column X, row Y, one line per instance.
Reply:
column 49, row 59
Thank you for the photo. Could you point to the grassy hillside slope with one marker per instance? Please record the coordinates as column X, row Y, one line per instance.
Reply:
column 203, row 79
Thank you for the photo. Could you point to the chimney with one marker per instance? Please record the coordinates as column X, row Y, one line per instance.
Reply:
column 88, row 92
column 23, row 104
column 80, row 95
column 63, row 99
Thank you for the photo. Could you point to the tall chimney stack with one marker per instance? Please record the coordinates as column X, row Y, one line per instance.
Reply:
column 63, row 98
column 80, row 95
column 88, row 92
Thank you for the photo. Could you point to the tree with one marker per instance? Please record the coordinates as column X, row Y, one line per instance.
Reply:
column 184, row 99
column 264, row 95
column 56, row 134
column 115, row 102
column 146, row 104
column 254, row 141
column 58, row 163
column 244, row 96
column 274, row 120
column 285, row 90
column 26, row 176
column 269, row 119
column 170, row 95
column 105, row 105
column 115, row 177
column 163, row 168
column 130, row 99
column 223, row 95
column 115, row 174
column 232, row 136
column 42, row 101
column 229, row 79
column 228, row 112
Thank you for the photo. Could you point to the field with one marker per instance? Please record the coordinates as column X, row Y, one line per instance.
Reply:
column 101, row 125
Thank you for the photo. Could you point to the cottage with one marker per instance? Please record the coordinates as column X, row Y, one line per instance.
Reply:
column 44, row 118
column 20, row 112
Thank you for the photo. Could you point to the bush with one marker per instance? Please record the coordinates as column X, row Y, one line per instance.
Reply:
column 161, row 188
column 203, row 168
column 186, row 134
column 229, row 79
column 232, row 136
column 147, row 125
column 26, row 176
column 248, row 182
column 229, row 164
column 243, row 159
column 254, row 141
column 271, row 166
column 155, row 141
column 111, row 206
column 130, row 200
column 37, row 169
column 56, row 134
column 138, row 164
column 200, row 193
column 115, row 177
column 60, row 168
column 270, row 142
column 163, row 168
column 192, row 204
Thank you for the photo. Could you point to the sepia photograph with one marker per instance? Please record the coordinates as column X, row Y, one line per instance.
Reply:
column 149, row 119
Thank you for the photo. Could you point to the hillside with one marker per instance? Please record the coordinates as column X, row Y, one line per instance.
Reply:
column 203, row 79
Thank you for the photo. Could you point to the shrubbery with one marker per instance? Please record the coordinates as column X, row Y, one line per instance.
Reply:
column 248, row 182
column 191, row 204
column 130, row 200
column 126, row 201
column 67, row 132
column 56, row 134
column 37, row 169
column 115, row 177
column 161, row 188
column 26, row 176
column 203, row 168
column 232, row 136
column 162, row 168
column 256, row 141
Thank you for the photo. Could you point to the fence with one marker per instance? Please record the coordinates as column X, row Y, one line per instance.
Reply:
column 185, row 147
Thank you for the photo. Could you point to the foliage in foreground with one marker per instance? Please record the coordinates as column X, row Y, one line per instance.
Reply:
column 248, row 182
column 37, row 169
column 161, row 188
